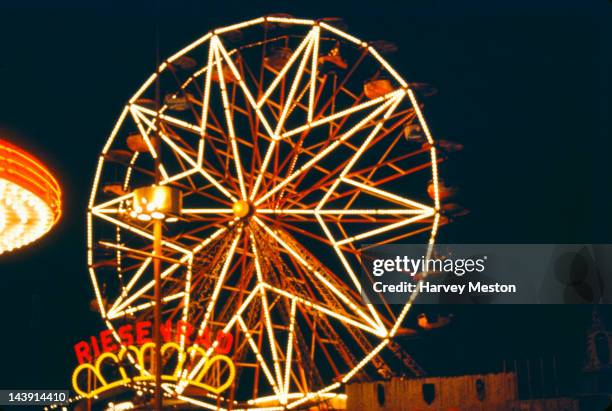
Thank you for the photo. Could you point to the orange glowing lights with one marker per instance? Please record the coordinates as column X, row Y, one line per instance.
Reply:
column 30, row 198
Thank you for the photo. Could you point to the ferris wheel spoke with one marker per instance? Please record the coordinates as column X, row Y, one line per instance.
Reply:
column 290, row 101
column 260, row 359
column 343, row 168
column 114, row 314
column 213, row 211
column 351, row 162
column 237, row 319
column 137, row 230
column 257, row 108
column 177, row 177
column 217, row 185
column 187, row 158
column 368, row 172
column 421, row 210
column 309, row 164
column 266, row 312
column 386, row 228
column 324, row 310
column 229, row 120
column 263, row 168
column 372, row 326
column 150, row 121
column 148, row 286
column 205, row 103
column 230, row 324
column 303, row 44
column 386, row 195
column 308, row 45
column 124, row 292
column 220, row 280
column 143, row 132
column 210, row 239
column 275, row 345
column 313, row 72
column 355, row 157
column 143, row 111
column 339, row 114
column 186, row 300
column 350, row 271
column 193, row 163
column 178, row 150
column 106, row 206
column 289, row 351
column 339, row 212
column 228, row 60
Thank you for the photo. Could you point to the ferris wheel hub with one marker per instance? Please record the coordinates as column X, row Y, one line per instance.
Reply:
column 242, row 209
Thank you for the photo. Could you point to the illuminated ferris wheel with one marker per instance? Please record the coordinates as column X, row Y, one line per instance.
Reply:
column 285, row 148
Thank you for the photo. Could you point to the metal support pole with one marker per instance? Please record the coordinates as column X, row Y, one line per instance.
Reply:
column 157, row 236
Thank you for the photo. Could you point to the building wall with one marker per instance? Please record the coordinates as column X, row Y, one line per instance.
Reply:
column 451, row 394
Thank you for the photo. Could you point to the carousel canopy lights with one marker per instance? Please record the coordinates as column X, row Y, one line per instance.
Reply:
column 30, row 198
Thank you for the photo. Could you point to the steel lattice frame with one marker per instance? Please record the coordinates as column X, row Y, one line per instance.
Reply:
column 323, row 169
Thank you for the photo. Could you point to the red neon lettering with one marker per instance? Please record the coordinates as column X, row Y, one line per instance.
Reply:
column 166, row 331
column 94, row 345
column 224, row 342
column 106, row 338
column 143, row 332
column 82, row 352
column 125, row 334
column 204, row 338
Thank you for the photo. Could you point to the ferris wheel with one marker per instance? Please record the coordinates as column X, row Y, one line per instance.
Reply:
column 288, row 147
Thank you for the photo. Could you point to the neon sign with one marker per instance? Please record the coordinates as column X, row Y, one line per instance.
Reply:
column 142, row 332
column 133, row 344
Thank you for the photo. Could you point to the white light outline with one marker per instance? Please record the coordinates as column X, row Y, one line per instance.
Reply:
column 228, row 119
column 266, row 311
column 375, row 328
column 264, row 166
column 323, row 153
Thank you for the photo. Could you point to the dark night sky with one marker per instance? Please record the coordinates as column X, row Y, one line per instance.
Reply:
column 525, row 88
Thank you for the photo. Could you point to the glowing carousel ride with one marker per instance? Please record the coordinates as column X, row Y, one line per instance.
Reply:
column 30, row 198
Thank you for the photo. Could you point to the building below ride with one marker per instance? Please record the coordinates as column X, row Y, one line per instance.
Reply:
column 478, row 392
column 493, row 392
